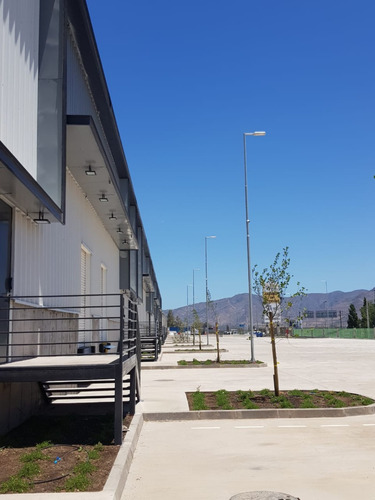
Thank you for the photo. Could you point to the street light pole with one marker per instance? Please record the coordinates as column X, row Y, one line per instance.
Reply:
column 248, row 244
column 187, row 308
column 194, row 303
column 205, row 253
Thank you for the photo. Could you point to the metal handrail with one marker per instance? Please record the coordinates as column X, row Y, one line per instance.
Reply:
column 36, row 330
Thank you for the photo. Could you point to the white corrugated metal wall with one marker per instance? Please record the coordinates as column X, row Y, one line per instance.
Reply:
column 47, row 258
column 79, row 98
column 19, row 34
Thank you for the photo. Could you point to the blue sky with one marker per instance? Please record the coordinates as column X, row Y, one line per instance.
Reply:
column 187, row 79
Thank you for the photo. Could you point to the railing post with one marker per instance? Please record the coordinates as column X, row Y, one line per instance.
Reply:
column 119, row 407
column 122, row 327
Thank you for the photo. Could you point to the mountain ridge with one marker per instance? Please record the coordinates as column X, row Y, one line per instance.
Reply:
column 328, row 309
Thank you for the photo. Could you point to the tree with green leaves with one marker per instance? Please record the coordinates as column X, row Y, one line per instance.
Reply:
column 353, row 320
column 271, row 285
column 367, row 314
column 170, row 319
column 179, row 323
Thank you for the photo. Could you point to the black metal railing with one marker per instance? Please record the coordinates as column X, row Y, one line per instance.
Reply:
column 67, row 325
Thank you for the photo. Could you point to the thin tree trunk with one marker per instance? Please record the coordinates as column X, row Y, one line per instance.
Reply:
column 274, row 356
column 217, row 343
column 200, row 339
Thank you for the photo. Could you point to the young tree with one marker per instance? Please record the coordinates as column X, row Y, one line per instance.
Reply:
column 212, row 307
column 271, row 285
column 197, row 325
column 353, row 320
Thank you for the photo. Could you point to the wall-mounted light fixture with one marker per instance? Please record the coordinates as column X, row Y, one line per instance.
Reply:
column 112, row 217
column 119, row 230
column 103, row 198
column 90, row 171
column 124, row 242
column 41, row 219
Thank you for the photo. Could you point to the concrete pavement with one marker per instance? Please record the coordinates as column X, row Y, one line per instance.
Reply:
column 327, row 458
column 315, row 458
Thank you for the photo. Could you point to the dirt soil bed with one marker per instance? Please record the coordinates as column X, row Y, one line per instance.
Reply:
column 72, row 440
column 239, row 400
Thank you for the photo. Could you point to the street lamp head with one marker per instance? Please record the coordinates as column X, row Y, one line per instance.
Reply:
column 210, row 237
column 257, row 133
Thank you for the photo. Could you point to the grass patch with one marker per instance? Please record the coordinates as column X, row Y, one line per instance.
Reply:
column 81, row 461
column 308, row 403
column 246, row 399
column 199, row 401
column 15, row 484
column 79, row 482
column 222, row 399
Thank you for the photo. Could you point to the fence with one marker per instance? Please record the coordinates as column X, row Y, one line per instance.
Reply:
column 341, row 333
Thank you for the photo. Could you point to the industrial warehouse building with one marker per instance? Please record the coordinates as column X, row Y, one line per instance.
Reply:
column 77, row 283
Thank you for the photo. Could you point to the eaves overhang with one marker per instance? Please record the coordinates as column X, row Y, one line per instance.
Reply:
column 85, row 152
column 23, row 191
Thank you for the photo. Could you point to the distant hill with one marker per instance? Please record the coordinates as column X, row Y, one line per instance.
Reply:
column 330, row 310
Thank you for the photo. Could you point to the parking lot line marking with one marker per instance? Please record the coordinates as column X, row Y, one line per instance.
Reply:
column 249, row 426
column 291, row 426
column 368, row 425
column 335, row 425
column 204, row 428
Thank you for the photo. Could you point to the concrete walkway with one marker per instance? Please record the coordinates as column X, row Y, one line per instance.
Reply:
column 311, row 459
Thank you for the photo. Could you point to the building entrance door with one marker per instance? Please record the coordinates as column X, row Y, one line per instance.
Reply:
column 5, row 276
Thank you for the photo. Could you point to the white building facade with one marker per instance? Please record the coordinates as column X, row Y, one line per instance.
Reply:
column 69, row 219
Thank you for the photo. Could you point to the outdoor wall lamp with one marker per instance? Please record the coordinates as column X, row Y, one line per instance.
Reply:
column 41, row 219
column 103, row 198
column 90, row 171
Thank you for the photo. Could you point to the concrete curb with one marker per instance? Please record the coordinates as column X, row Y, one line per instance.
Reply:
column 197, row 367
column 255, row 414
column 117, row 478
column 115, row 484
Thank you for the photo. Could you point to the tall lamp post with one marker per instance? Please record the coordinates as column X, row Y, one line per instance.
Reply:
column 205, row 253
column 194, row 302
column 248, row 244
column 187, row 309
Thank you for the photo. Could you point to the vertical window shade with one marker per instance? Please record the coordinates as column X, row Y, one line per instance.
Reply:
column 84, row 322
column 103, row 299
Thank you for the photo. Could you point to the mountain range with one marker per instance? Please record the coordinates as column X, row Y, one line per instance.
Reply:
column 321, row 309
